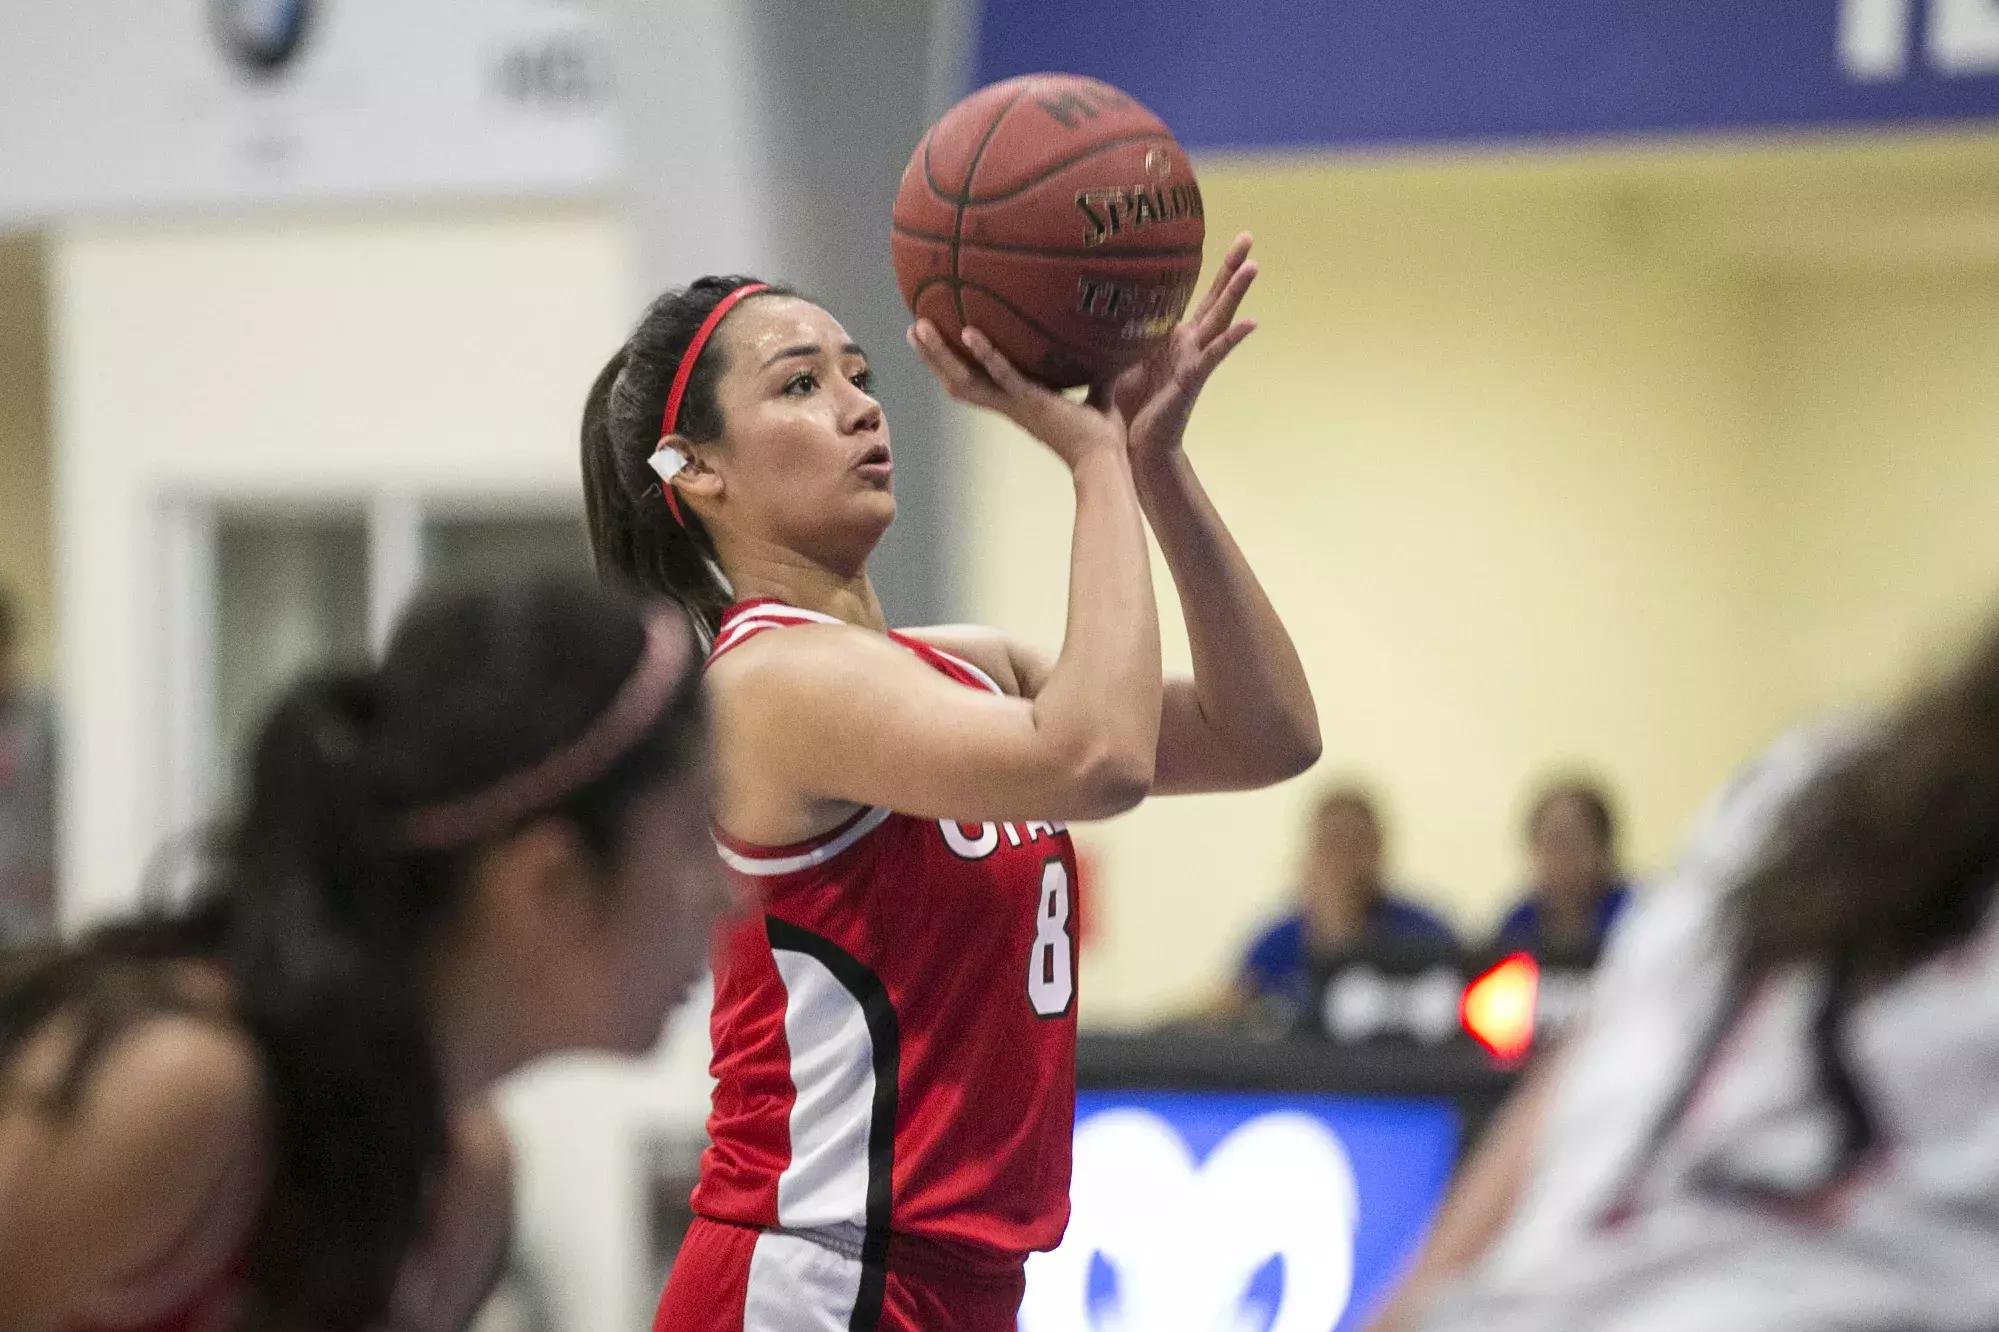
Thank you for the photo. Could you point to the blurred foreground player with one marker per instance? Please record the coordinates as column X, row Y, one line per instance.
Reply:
column 1782, row 1114
column 895, row 1037
column 267, row 1109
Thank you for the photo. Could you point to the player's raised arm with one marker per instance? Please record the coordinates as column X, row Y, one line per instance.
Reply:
column 1246, row 718
column 848, row 716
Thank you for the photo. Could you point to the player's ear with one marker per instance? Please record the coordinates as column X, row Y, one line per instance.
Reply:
column 695, row 479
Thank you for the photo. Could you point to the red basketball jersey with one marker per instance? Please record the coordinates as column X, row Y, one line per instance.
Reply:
column 895, row 1036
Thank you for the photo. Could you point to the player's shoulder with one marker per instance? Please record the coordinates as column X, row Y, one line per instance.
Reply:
column 784, row 649
column 188, row 1050
column 1672, row 921
column 996, row 653
column 172, row 1082
column 775, row 677
column 130, row 1133
column 1737, row 822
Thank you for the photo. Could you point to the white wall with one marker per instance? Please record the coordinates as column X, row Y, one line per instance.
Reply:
column 1883, row 456
column 296, row 359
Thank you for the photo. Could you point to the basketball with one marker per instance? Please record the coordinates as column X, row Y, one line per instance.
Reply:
column 1058, row 216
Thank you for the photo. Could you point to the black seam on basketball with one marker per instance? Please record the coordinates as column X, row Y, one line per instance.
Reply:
column 916, row 292
column 929, row 176
column 981, row 200
column 958, row 207
column 960, row 285
column 1052, row 251
column 1055, row 339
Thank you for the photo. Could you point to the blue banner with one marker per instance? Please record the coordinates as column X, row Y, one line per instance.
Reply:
column 1199, row 1210
column 1301, row 74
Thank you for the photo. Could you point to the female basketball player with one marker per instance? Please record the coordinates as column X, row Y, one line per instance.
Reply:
column 266, row 1109
column 1780, row 1114
column 894, row 1038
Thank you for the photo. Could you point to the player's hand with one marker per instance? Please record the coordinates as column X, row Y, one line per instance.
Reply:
column 1072, row 429
column 1157, row 395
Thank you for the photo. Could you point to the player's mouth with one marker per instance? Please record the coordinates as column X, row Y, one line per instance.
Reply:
column 876, row 464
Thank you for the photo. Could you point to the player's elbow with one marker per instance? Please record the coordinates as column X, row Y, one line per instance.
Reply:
column 1111, row 780
column 1294, row 749
column 1282, row 747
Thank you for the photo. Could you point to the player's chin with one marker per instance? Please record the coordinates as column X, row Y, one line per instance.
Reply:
column 873, row 501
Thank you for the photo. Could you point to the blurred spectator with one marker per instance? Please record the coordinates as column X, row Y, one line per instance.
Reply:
column 1578, row 890
column 1344, row 901
column 27, row 795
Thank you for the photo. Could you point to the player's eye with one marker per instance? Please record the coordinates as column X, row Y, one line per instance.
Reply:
column 801, row 384
column 865, row 381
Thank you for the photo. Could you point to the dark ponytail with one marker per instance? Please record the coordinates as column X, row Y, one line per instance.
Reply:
column 324, row 920
column 1892, row 855
column 634, row 535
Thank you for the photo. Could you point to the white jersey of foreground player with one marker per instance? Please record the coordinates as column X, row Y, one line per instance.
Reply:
column 1741, row 1216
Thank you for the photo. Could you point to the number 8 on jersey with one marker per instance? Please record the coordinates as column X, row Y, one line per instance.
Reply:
column 1051, row 983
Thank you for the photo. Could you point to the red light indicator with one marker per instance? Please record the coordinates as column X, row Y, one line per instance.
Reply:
column 1498, row 1007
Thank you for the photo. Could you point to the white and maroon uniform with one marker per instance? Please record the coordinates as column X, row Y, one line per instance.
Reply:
column 1698, row 1166
column 894, row 1042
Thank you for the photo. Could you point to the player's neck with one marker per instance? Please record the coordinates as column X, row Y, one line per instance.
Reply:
column 834, row 584
column 807, row 587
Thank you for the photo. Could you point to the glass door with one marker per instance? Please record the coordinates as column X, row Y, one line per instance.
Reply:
column 264, row 590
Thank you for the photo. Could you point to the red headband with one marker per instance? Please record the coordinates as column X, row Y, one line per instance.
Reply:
column 671, row 419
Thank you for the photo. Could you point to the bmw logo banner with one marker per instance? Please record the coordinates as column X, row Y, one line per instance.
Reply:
column 261, row 35
column 1209, row 1212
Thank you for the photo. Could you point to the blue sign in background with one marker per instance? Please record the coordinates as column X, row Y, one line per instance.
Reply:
column 1326, row 73
column 1401, row 1150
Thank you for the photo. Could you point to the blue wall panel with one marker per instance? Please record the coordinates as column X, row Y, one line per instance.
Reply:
column 1305, row 74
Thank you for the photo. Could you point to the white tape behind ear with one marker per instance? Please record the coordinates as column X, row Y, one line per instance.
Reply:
column 668, row 462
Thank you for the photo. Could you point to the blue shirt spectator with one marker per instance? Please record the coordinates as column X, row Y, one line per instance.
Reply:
column 1280, row 960
column 1524, row 928
column 1578, row 891
column 1343, row 902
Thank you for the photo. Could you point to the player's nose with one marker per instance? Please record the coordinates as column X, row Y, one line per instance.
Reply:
column 861, row 414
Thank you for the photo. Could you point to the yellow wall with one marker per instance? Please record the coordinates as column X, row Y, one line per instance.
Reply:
column 1537, row 481
column 25, row 561
column 1883, row 441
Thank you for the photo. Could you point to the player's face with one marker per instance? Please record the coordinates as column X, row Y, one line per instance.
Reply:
column 805, row 462
column 597, row 956
column 668, row 892
column 1348, row 842
column 1570, row 863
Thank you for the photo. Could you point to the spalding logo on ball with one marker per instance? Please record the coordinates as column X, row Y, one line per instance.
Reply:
column 1058, row 216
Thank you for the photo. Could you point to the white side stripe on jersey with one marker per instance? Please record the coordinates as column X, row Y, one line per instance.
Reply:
column 833, row 1074
column 798, row 1286
column 766, row 866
